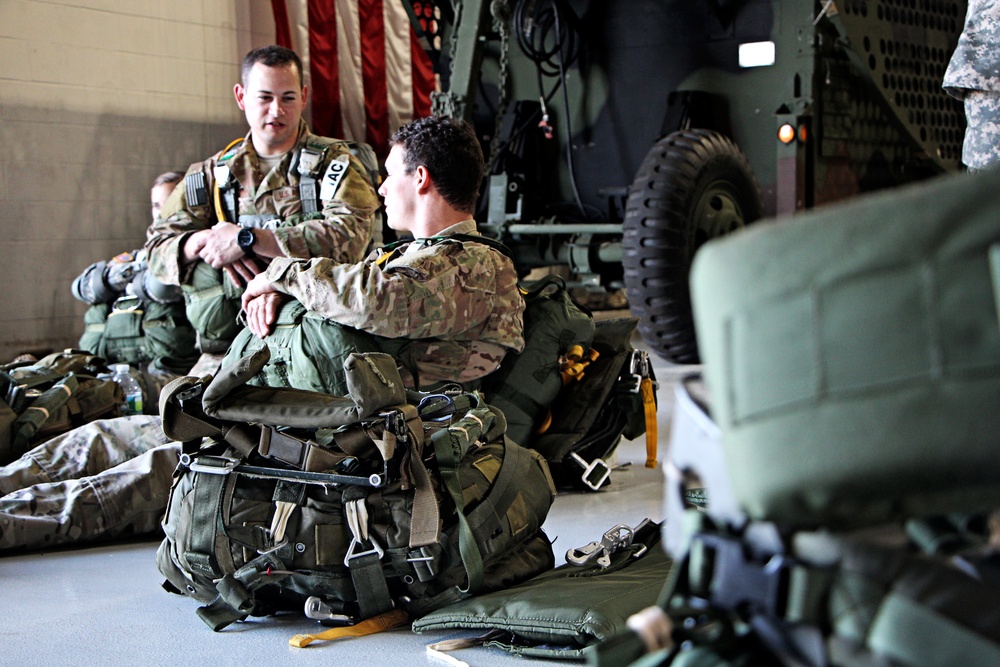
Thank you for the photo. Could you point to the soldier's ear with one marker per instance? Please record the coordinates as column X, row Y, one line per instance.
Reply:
column 238, row 93
column 423, row 179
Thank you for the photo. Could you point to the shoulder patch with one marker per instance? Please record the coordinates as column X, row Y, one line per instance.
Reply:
column 335, row 173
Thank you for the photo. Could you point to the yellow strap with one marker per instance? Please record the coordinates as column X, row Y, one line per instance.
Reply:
column 649, row 407
column 219, row 213
column 382, row 622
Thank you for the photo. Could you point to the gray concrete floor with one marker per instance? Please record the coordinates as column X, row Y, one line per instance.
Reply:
column 104, row 605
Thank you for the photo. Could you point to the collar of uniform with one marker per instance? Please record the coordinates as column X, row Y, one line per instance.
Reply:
column 464, row 227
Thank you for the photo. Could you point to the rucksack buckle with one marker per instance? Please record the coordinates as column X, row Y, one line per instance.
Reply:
column 595, row 473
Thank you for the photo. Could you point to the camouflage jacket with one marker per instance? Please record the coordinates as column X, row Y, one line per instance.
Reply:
column 975, row 64
column 457, row 301
column 342, row 229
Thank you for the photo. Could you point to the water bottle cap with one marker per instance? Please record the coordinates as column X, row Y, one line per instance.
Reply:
column 121, row 368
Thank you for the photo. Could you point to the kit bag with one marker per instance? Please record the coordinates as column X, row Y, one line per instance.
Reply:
column 564, row 613
column 51, row 396
column 614, row 398
column 346, row 508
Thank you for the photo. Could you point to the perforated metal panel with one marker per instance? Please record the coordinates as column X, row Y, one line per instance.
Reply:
column 905, row 46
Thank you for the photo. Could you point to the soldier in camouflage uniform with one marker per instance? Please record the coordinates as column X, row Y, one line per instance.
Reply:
column 281, row 192
column 124, row 283
column 973, row 76
column 456, row 300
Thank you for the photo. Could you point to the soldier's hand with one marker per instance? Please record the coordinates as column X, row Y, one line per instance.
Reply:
column 256, row 287
column 261, row 312
column 242, row 271
column 220, row 247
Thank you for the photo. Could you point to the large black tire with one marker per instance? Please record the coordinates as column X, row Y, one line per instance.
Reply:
column 693, row 185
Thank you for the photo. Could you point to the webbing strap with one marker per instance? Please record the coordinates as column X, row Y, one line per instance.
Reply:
column 449, row 453
column 371, row 626
column 206, row 523
column 649, row 409
column 488, row 516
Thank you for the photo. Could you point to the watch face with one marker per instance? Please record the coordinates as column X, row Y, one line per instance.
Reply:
column 245, row 238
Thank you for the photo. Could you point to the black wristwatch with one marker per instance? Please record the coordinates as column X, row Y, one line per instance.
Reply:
column 245, row 239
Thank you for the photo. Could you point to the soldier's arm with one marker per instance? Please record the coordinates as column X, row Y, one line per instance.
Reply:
column 344, row 229
column 419, row 296
column 172, row 241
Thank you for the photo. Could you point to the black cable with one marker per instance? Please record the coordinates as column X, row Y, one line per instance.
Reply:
column 547, row 32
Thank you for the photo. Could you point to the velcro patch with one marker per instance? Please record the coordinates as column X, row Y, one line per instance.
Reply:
column 335, row 173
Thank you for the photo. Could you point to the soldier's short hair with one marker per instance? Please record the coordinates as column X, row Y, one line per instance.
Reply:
column 270, row 56
column 450, row 150
column 168, row 178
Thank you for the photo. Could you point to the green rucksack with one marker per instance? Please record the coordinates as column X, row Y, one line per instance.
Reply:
column 527, row 382
column 57, row 393
column 344, row 507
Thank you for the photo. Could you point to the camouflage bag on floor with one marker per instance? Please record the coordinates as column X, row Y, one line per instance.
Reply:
column 346, row 508
column 51, row 396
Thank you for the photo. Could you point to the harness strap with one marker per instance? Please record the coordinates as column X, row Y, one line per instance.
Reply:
column 366, row 566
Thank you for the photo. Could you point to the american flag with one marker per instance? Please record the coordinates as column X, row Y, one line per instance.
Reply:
column 363, row 62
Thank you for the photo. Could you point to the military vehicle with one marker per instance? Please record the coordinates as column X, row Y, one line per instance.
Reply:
column 623, row 134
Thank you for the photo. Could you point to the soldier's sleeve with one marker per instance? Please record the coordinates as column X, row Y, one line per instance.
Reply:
column 439, row 291
column 345, row 229
column 180, row 217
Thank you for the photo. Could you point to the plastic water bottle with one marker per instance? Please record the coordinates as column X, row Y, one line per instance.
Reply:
column 130, row 386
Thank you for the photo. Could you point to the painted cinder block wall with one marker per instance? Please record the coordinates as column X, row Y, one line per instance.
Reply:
column 98, row 97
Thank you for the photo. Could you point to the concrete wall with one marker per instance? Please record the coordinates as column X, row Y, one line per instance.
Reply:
column 98, row 97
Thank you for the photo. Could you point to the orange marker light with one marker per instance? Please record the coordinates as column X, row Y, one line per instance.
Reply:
column 786, row 134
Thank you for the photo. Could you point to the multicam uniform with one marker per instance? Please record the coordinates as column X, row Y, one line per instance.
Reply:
column 973, row 75
column 337, row 184
column 106, row 479
column 457, row 301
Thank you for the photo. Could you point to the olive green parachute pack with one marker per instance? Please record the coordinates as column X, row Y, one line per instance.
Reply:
column 845, row 443
column 41, row 399
column 380, row 503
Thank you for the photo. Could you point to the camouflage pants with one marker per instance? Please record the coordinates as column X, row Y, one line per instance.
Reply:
column 106, row 479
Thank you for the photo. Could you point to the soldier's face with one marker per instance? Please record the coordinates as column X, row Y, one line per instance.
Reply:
column 158, row 195
column 272, row 100
column 399, row 191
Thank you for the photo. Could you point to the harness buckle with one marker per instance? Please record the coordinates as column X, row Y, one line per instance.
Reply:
column 355, row 544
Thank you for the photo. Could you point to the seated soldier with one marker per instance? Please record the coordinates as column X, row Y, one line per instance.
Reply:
column 111, row 478
column 281, row 191
column 444, row 304
column 124, row 290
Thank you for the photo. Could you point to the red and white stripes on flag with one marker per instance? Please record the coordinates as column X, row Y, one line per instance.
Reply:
column 366, row 72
